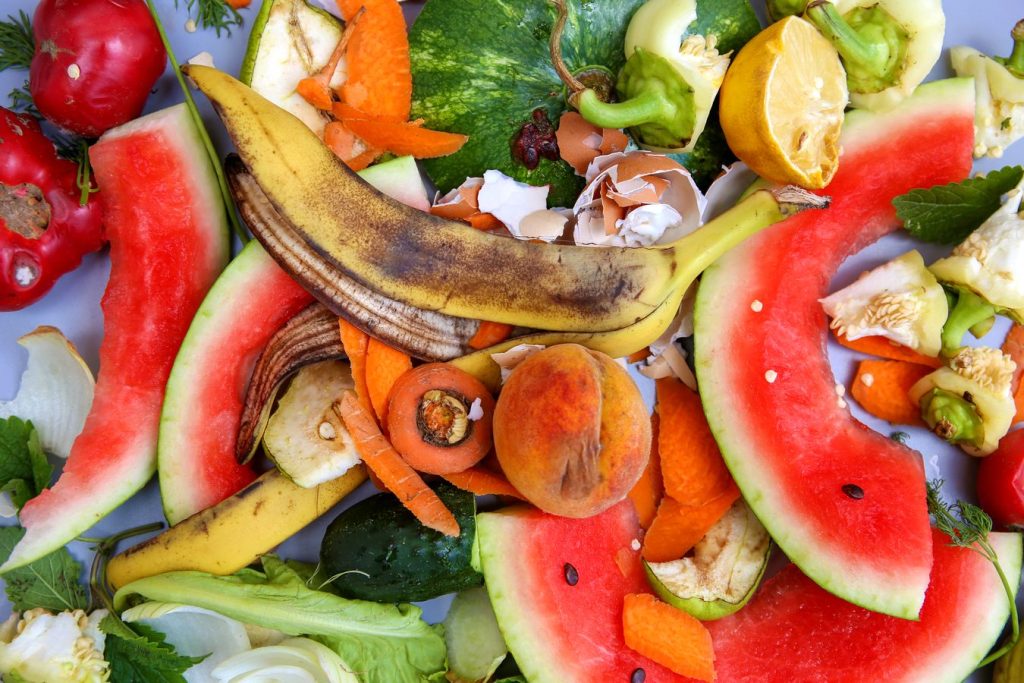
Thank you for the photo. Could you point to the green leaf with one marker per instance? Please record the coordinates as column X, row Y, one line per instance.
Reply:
column 51, row 582
column 24, row 469
column 215, row 14
column 947, row 214
column 390, row 643
column 140, row 655
column 16, row 42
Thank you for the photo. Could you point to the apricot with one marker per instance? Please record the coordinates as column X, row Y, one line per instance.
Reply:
column 571, row 431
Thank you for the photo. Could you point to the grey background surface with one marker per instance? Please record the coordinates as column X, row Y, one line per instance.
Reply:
column 73, row 305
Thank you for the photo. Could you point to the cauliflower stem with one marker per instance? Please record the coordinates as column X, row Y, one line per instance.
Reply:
column 970, row 312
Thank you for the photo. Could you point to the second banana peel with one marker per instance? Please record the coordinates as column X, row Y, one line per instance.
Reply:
column 356, row 234
column 234, row 533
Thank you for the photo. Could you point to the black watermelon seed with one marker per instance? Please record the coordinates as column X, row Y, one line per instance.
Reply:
column 638, row 676
column 572, row 577
column 853, row 491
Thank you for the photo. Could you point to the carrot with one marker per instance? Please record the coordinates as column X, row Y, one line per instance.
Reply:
column 649, row 490
column 677, row 528
column 344, row 143
column 882, row 387
column 691, row 465
column 885, row 348
column 239, row 4
column 638, row 356
column 489, row 334
column 668, row 636
column 405, row 138
column 394, row 473
column 316, row 89
column 379, row 78
column 483, row 482
column 355, row 342
column 1014, row 348
column 384, row 365
column 430, row 419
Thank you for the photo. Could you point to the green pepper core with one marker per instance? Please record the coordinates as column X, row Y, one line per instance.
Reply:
column 979, row 330
column 970, row 310
column 1015, row 62
column 657, row 102
column 872, row 44
column 952, row 417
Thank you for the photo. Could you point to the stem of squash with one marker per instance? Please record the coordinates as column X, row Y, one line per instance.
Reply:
column 555, row 45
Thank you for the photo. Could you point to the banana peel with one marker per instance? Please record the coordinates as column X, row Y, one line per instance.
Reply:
column 234, row 533
column 442, row 266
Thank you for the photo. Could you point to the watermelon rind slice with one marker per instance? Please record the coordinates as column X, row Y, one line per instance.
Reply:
column 775, row 412
column 145, row 318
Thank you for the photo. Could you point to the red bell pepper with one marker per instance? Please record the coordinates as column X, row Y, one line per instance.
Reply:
column 45, row 230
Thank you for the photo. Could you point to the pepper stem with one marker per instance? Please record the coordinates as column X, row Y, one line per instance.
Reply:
column 952, row 418
column 649, row 105
column 863, row 57
column 970, row 310
column 1015, row 62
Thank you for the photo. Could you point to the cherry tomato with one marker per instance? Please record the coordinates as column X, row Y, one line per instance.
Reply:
column 95, row 62
column 1001, row 482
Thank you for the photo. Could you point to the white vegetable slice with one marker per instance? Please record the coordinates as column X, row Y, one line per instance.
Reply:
column 55, row 392
column 194, row 632
column 298, row 660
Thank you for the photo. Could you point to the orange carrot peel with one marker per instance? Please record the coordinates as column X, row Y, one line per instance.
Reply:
column 316, row 89
column 391, row 469
column 884, row 348
column 668, row 636
column 882, row 388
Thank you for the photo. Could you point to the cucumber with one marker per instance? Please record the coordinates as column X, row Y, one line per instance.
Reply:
column 377, row 550
column 476, row 647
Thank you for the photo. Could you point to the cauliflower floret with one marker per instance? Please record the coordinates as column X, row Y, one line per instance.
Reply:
column 900, row 300
column 990, row 262
column 57, row 648
column 970, row 402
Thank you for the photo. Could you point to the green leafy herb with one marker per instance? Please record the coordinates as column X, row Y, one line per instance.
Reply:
column 16, row 42
column 947, row 214
column 139, row 654
column 390, row 643
column 51, row 582
column 215, row 14
column 968, row 527
column 222, row 182
column 24, row 470
column 21, row 101
column 900, row 437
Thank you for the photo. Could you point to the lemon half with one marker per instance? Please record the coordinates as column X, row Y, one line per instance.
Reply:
column 783, row 103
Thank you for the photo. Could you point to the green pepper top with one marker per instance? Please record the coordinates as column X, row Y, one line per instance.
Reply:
column 668, row 85
column 887, row 46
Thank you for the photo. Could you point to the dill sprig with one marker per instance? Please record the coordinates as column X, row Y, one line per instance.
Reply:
column 16, row 42
column 215, row 14
column 20, row 100
column 968, row 526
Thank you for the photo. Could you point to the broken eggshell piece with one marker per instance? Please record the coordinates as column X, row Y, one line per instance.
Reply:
column 667, row 201
column 497, row 201
column 580, row 142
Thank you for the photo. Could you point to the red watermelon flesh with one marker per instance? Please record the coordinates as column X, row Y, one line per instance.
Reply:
column 793, row 630
column 199, row 425
column 557, row 632
column 790, row 443
column 168, row 241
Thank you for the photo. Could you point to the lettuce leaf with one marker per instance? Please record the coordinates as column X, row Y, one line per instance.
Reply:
column 384, row 643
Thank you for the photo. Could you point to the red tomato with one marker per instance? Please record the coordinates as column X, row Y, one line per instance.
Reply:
column 95, row 62
column 1001, row 482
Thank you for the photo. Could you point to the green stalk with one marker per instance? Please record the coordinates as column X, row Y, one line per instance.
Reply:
column 211, row 151
column 1014, row 616
column 952, row 418
column 970, row 310
column 98, row 571
column 1015, row 62
column 647, row 106
column 824, row 15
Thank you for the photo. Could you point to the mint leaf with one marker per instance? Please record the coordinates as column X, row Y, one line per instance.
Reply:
column 138, row 654
column 24, row 469
column 947, row 214
column 51, row 582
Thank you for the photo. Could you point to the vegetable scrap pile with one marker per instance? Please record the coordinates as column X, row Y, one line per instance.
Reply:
column 479, row 236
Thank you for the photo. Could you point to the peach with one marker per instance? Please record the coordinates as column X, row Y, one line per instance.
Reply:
column 571, row 431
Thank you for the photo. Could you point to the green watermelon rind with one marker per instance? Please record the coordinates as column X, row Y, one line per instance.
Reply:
column 66, row 524
column 860, row 129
